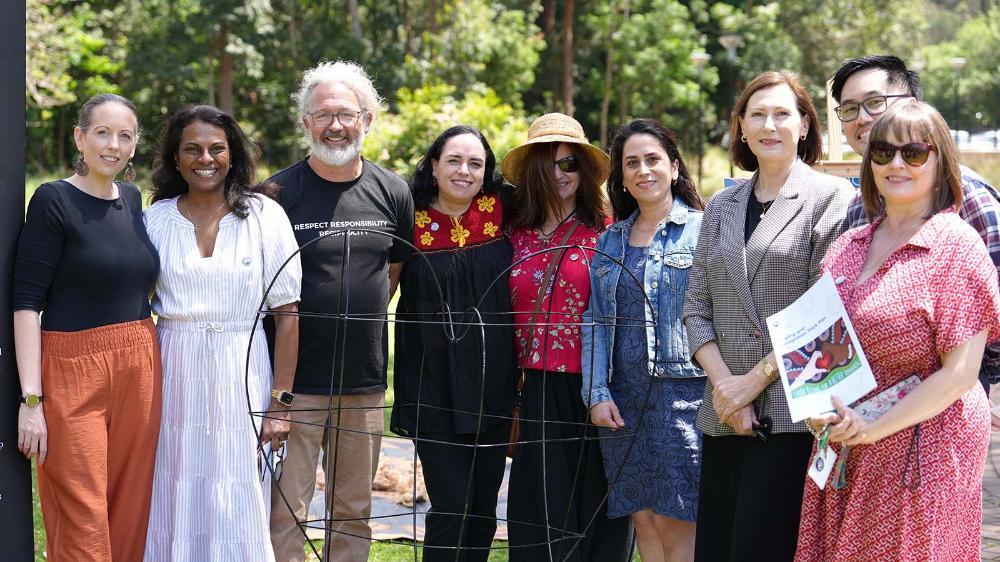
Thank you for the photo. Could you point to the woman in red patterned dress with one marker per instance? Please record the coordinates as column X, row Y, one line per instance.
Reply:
column 557, row 482
column 922, row 293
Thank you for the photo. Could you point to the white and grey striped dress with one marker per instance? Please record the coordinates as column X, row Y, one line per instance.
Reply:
column 209, row 503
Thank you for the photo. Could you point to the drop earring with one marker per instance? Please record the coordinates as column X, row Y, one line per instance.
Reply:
column 80, row 165
column 129, row 172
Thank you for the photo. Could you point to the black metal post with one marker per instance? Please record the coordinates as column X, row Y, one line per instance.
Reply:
column 15, row 472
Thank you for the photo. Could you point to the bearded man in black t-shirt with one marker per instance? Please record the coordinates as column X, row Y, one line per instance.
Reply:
column 349, row 215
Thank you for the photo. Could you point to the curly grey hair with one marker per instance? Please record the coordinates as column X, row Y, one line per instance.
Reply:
column 349, row 74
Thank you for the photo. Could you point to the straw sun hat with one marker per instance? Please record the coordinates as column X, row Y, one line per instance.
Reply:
column 553, row 127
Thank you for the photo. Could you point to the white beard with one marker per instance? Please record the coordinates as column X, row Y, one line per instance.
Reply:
column 336, row 156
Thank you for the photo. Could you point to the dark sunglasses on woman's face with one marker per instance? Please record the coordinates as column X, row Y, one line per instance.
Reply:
column 914, row 153
column 568, row 164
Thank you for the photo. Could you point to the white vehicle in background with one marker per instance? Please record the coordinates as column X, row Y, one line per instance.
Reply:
column 985, row 141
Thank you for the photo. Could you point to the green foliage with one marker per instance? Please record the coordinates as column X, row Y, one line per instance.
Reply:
column 400, row 139
column 829, row 32
column 767, row 45
column 978, row 41
column 485, row 62
column 485, row 43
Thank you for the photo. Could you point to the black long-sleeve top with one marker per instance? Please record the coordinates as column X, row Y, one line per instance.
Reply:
column 83, row 260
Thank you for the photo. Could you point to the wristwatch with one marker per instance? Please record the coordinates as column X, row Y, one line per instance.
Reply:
column 31, row 400
column 769, row 372
column 282, row 396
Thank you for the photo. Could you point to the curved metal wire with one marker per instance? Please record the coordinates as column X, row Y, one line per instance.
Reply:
column 468, row 320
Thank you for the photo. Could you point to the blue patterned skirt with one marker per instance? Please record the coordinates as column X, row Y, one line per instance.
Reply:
column 654, row 462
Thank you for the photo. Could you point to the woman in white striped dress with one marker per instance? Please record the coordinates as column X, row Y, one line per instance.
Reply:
column 220, row 245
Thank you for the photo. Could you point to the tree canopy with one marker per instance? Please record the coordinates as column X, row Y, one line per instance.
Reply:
column 491, row 64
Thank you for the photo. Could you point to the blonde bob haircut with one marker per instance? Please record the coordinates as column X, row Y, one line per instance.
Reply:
column 915, row 121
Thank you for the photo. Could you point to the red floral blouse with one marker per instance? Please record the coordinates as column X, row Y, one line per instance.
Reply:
column 550, row 343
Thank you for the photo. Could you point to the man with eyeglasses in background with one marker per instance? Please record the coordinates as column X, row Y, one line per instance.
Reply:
column 865, row 88
column 340, row 379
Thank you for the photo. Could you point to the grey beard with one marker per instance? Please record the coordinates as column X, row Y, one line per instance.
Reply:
column 336, row 156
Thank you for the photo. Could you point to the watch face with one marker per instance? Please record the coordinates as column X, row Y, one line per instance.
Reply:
column 286, row 398
column 32, row 400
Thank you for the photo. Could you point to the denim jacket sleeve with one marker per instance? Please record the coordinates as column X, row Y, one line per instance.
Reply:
column 595, row 338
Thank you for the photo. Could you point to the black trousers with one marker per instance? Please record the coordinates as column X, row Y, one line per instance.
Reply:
column 750, row 497
column 558, row 487
column 462, row 479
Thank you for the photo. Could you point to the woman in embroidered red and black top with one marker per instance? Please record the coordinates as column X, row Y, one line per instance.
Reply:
column 442, row 380
column 557, row 478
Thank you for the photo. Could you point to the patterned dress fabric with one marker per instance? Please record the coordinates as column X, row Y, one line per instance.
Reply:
column 552, row 344
column 913, row 495
column 208, row 500
column 654, row 466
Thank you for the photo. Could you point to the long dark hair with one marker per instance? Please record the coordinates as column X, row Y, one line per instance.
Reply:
column 622, row 202
column 538, row 197
column 239, row 186
column 422, row 183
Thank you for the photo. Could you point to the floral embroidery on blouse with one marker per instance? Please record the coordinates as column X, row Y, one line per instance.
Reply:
column 486, row 204
column 472, row 228
column 458, row 232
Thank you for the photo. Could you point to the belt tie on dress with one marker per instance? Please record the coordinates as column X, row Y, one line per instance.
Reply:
column 206, row 329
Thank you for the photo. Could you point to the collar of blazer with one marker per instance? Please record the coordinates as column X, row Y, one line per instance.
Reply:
column 743, row 260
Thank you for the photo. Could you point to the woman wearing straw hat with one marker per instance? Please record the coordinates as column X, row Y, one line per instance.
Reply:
column 557, row 485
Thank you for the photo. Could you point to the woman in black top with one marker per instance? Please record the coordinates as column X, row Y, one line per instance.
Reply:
column 86, row 345
column 454, row 369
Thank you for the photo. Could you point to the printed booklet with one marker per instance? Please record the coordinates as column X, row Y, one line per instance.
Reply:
column 818, row 352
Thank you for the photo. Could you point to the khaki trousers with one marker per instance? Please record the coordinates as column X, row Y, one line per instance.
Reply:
column 355, row 446
column 102, row 410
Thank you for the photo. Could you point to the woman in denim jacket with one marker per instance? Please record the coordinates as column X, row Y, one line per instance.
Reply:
column 637, row 374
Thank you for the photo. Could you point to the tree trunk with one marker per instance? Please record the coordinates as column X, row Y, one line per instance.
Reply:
column 552, row 45
column 225, row 61
column 567, row 57
column 293, row 44
column 352, row 7
column 293, row 33
column 608, row 72
column 549, row 18
column 623, row 87
column 407, row 28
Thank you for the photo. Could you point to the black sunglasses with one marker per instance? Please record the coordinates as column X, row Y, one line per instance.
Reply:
column 568, row 164
column 914, row 153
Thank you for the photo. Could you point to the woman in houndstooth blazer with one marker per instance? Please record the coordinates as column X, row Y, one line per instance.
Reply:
column 760, row 248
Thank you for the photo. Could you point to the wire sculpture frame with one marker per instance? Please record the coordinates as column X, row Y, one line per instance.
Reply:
column 455, row 326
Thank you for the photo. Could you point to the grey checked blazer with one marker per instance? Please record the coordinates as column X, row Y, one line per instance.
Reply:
column 733, row 288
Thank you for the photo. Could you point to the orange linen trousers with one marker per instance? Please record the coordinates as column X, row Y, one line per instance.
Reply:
column 101, row 392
